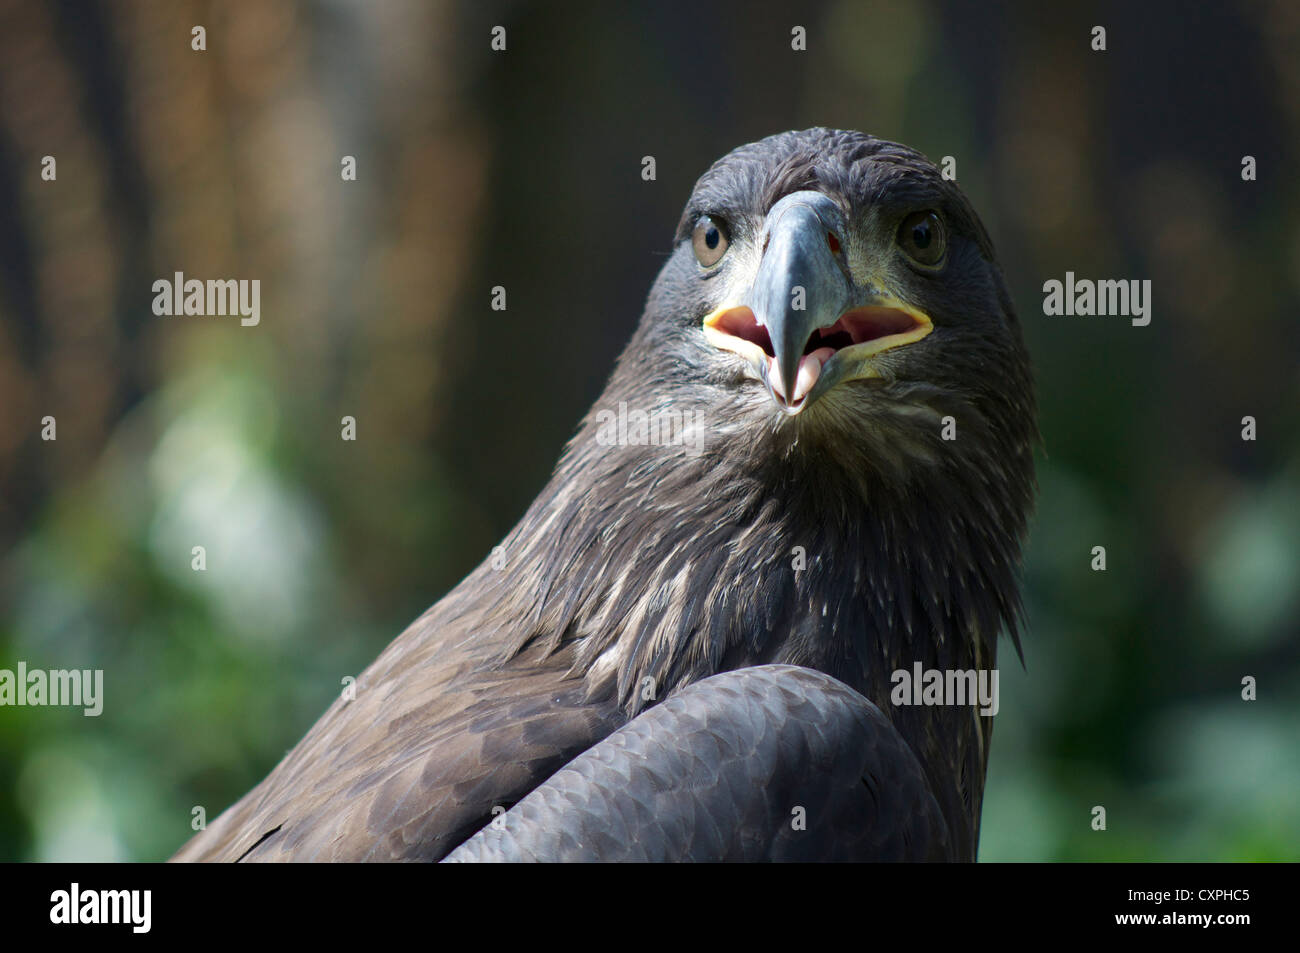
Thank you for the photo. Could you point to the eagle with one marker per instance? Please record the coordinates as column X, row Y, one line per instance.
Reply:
column 811, row 470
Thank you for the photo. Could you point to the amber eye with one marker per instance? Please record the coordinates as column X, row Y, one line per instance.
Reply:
column 709, row 241
column 923, row 238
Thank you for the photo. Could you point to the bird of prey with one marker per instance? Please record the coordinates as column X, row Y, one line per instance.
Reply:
column 686, row 649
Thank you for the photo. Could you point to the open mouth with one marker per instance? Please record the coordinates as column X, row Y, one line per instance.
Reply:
column 862, row 332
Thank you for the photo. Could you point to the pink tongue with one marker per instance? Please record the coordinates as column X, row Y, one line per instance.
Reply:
column 810, row 368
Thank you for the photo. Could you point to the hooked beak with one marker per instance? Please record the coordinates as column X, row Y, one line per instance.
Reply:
column 804, row 324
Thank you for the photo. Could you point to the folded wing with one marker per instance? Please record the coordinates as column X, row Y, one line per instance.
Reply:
column 769, row 763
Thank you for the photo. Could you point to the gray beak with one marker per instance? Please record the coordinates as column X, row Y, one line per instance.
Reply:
column 801, row 284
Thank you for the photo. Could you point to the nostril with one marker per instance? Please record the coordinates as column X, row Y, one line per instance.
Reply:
column 833, row 242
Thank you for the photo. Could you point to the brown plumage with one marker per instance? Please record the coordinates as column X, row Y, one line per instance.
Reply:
column 642, row 568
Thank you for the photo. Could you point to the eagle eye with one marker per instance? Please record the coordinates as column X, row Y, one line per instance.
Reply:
column 923, row 238
column 709, row 240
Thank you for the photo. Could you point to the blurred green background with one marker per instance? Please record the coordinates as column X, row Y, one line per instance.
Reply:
column 523, row 169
